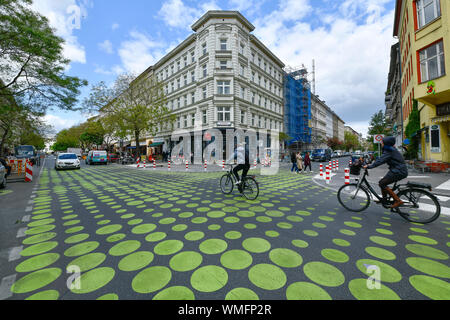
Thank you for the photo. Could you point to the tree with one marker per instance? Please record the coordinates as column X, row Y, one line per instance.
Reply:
column 334, row 143
column 411, row 132
column 378, row 125
column 65, row 139
column 32, row 64
column 135, row 106
column 351, row 142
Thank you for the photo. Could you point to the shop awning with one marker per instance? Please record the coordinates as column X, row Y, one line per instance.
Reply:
column 156, row 144
column 441, row 119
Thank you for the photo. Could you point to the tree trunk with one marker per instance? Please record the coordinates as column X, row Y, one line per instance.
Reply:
column 2, row 142
column 138, row 149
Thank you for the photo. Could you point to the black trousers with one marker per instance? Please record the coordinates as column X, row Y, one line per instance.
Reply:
column 244, row 167
column 390, row 178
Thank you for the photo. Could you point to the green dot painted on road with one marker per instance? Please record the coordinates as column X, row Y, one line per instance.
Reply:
column 47, row 295
column 267, row 276
column 167, row 221
column 209, row 278
column 341, row 242
column 76, row 238
column 422, row 239
column 186, row 261
column 71, row 223
column 176, row 293
column 384, row 231
column 213, row 246
column 135, row 222
column 231, row 219
column 427, row 251
column 326, row 218
column 334, row 255
column 285, row 258
column 296, row 219
column 109, row 297
column 103, row 222
column 109, row 229
column 214, row 227
column 74, row 230
column 256, row 245
column 40, row 229
column 185, row 214
column 236, row 259
column 81, row 248
column 88, row 261
column 284, row 225
column 319, row 225
column 250, row 226
column 300, row 243
column 306, row 291
column 360, row 290
column 144, row 228
column 233, row 235
column 241, row 294
column 39, row 248
column 39, row 238
column 274, row 213
column 37, row 262
column 39, row 223
column 136, row 261
column 179, row 227
column 246, row 214
column 324, row 274
column 151, row 279
column 168, row 247
column 194, row 235
column 199, row 220
column 418, row 230
column 36, row 280
column 431, row 287
column 303, row 213
column 352, row 224
column 311, row 233
column 387, row 272
column 127, row 216
column 43, row 216
column 116, row 237
column 216, row 214
column 94, row 280
column 430, row 267
column 380, row 253
column 383, row 241
column 347, row 232
column 124, row 247
column 135, row 203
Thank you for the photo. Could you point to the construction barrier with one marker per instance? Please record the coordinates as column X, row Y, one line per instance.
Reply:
column 347, row 176
column 138, row 163
column 28, row 172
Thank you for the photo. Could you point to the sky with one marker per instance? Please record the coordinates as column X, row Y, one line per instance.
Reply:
column 349, row 41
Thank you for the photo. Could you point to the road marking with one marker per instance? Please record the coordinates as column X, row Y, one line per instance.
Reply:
column 5, row 287
column 444, row 186
column 430, row 208
column 26, row 218
column 30, row 201
column 28, row 209
column 14, row 253
column 21, row 232
column 442, row 198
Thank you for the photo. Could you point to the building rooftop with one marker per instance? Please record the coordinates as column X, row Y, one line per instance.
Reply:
column 224, row 15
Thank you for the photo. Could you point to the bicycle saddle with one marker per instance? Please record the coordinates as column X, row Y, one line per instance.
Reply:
column 419, row 185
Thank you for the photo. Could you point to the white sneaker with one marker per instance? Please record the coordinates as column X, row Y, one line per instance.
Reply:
column 237, row 183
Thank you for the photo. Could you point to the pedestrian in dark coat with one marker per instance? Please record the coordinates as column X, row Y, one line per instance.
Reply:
column 294, row 162
column 307, row 162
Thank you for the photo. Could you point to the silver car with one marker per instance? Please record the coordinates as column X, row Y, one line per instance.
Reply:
column 67, row 161
column 2, row 176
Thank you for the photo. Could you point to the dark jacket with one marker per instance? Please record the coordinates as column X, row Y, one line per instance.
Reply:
column 307, row 160
column 393, row 158
column 293, row 158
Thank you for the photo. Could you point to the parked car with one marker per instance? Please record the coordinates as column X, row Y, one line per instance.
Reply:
column 356, row 156
column 113, row 157
column 2, row 176
column 335, row 155
column 67, row 161
column 321, row 155
column 97, row 156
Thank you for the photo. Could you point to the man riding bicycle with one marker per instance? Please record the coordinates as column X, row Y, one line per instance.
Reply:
column 397, row 169
column 243, row 160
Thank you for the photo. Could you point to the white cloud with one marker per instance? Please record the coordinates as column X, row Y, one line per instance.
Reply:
column 60, row 123
column 65, row 16
column 351, row 51
column 176, row 14
column 106, row 46
column 115, row 26
column 139, row 52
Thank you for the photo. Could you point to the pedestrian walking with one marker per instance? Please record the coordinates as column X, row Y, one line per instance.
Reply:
column 307, row 162
column 299, row 162
column 294, row 162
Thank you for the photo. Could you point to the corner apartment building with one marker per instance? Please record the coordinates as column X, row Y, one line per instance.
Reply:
column 423, row 30
column 221, row 77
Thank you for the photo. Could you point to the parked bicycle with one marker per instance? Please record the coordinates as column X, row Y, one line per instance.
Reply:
column 420, row 205
column 249, row 187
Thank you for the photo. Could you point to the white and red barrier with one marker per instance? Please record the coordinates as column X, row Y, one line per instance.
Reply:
column 206, row 165
column 321, row 170
column 337, row 165
column 347, row 176
column 139, row 163
column 154, row 164
column 187, row 166
column 168, row 165
column 28, row 172
column 254, row 164
column 223, row 164
column 328, row 174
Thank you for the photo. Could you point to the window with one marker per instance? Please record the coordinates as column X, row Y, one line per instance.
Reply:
column 223, row 114
column 242, row 49
column 204, row 92
column 192, row 97
column 205, row 71
column 193, row 119
column 178, row 65
column 242, row 92
column 253, row 119
column 204, row 117
column 204, row 48
column 253, row 97
column 242, row 117
column 427, row 11
column 432, row 64
column 193, row 76
column 223, row 44
column 179, row 102
column 435, row 139
column 185, row 80
column 185, row 121
column 192, row 57
column 223, row 87
column 178, row 83
column 178, row 122
column 242, row 70
column 172, row 85
column 253, row 76
column 223, row 64
column 185, row 100
column 172, row 69
column 185, row 61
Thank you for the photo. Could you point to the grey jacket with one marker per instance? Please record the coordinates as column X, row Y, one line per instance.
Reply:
column 394, row 159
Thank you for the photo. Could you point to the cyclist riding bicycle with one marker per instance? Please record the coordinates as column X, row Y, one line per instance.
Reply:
column 397, row 169
column 243, row 159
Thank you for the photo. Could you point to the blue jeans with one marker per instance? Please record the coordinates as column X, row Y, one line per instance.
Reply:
column 294, row 167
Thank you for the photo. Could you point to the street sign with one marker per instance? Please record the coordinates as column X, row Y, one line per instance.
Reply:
column 378, row 138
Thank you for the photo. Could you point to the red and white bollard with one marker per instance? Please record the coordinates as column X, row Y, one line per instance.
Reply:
column 347, row 176
column 223, row 164
column 139, row 163
column 254, row 163
column 321, row 170
column 206, row 165
column 337, row 165
column 187, row 165
column 328, row 175
column 168, row 165
column 28, row 171
column 334, row 165
column 145, row 164
column 350, row 162
column 154, row 164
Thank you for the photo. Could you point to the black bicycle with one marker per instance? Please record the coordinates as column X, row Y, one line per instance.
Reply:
column 420, row 205
column 249, row 187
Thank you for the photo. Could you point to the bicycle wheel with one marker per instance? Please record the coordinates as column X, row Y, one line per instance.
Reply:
column 250, row 189
column 226, row 184
column 420, row 206
column 353, row 199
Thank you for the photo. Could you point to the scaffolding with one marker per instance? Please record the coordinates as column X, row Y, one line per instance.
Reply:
column 297, row 108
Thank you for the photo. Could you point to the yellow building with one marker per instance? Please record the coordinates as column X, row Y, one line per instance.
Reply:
column 423, row 30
